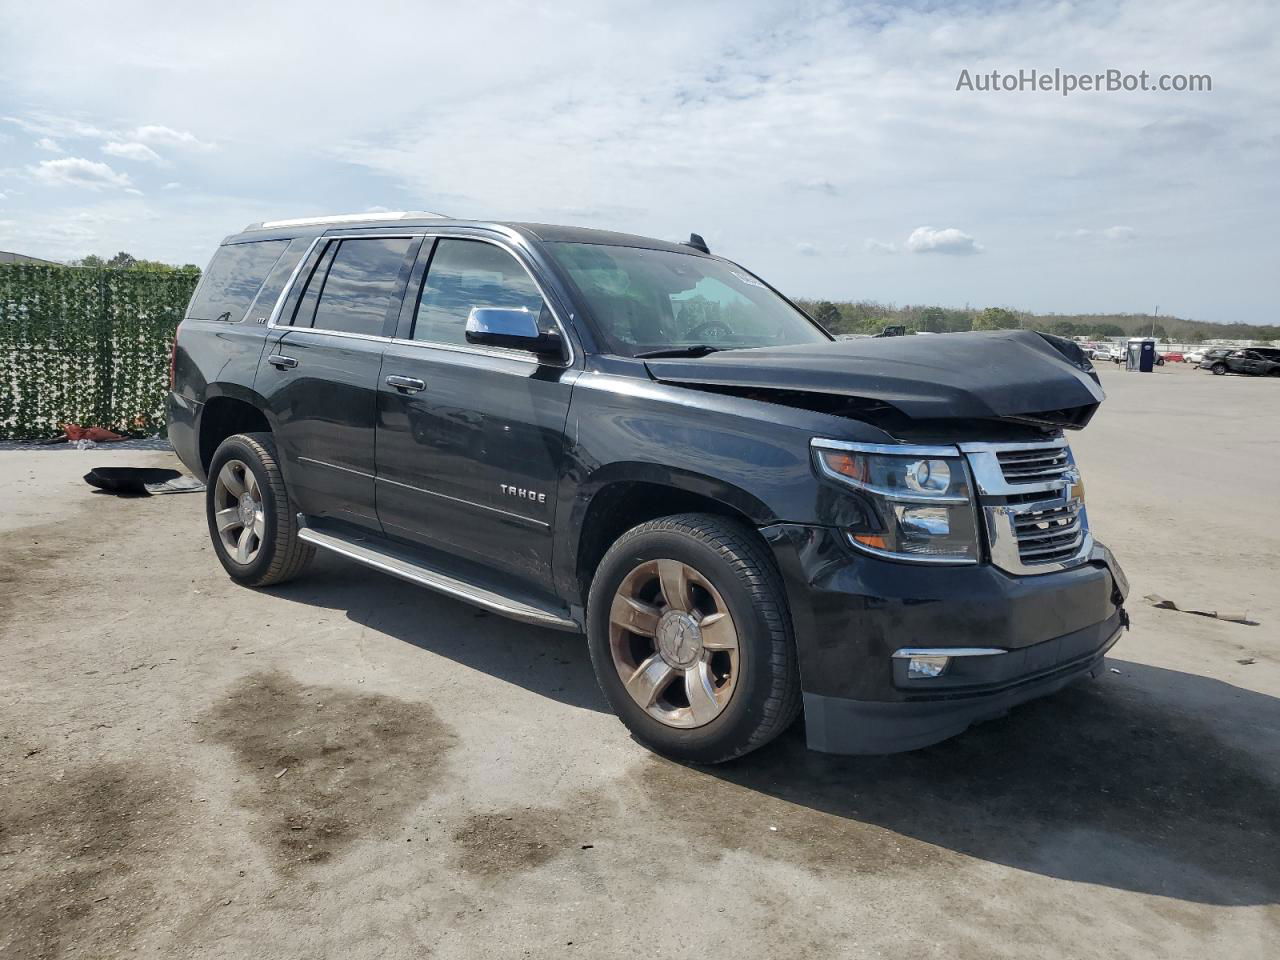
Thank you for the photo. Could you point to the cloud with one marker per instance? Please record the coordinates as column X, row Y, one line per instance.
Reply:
column 139, row 152
column 79, row 172
column 819, row 185
column 49, row 145
column 822, row 121
column 51, row 125
column 172, row 185
column 806, row 249
column 879, row 246
column 948, row 240
column 170, row 137
column 1116, row 234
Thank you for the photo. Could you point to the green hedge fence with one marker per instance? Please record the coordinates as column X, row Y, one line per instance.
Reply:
column 87, row 346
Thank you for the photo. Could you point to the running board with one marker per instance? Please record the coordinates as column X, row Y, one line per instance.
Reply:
column 388, row 561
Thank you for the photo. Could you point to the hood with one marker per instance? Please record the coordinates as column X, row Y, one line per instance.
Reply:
column 1004, row 374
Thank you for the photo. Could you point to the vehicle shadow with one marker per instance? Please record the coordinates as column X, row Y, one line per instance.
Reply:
column 1154, row 780
column 551, row 663
column 1138, row 782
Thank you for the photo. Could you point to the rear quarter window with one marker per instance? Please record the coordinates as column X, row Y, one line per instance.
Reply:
column 233, row 279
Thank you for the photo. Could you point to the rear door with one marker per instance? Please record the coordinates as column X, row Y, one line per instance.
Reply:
column 471, row 440
column 319, row 372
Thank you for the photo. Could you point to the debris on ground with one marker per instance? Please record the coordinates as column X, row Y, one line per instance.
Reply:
column 141, row 481
column 1246, row 661
column 76, row 433
column 1160, row 603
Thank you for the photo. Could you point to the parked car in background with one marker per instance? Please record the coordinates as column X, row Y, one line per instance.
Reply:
column 1172, row 357
column 1194, row 356
column 1255, row 361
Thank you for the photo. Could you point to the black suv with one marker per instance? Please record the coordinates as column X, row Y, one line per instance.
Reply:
column 648, row 444
column 1255, row 361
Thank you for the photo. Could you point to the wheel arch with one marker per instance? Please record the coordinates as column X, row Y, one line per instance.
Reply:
column 228, row 409
column 624, row 495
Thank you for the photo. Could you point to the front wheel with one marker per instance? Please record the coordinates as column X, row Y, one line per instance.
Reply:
column 691, row 639
column 1219, row 369
column 252, row 522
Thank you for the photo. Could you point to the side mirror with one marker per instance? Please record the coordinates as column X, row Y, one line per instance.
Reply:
column 515, row 329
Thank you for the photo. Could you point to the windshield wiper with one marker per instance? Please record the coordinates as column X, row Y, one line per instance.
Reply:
column 693, row 350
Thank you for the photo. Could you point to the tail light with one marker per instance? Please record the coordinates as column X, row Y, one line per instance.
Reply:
column 173, row 362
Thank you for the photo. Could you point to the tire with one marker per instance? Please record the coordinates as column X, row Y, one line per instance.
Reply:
column 1219, row 369
column 753, row 688
column 274, row 554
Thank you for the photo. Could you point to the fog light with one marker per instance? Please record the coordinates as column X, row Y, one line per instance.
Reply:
column 923, row 667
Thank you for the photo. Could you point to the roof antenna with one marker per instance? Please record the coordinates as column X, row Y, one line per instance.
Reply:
column 696, row 241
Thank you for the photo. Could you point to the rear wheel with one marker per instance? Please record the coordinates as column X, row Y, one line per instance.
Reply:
column 1219, row 369
column 691, row 639
column 252, row 522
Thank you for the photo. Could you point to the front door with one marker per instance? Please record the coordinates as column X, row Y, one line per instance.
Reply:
column 319, row 373
column 471, row 440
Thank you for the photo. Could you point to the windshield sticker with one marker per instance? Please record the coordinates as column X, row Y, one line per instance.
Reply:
column 748, row 280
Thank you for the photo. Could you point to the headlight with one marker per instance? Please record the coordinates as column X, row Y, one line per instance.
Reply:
column 921, row 499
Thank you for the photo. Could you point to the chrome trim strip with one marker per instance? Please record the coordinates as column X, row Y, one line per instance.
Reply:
column 432, row 579
column 334, row 466
column 907, row 652
column 430, row 493
column 288, row 287
column 340, row 218
column 468, row 503
column 273, row 319
column 909, row 557
column 519, row 258
column 1021, row 445
column 898, row 449
column 988, row 473
column 520, row 356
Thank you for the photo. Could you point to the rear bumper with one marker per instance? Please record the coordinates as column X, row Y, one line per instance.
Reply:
column 184, row 432
column 852, row 612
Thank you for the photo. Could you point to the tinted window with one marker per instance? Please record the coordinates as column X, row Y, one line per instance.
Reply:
column 270, row 291
column 363, row 282
column 305, row 311
column 465, row 274
column 233, row 278
column 647, row 300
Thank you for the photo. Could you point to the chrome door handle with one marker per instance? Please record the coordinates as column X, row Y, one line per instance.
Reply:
column 281, row 363
column 407, row 384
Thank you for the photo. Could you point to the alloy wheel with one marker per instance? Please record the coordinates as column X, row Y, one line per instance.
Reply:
column 238, row 513
column 674, row 643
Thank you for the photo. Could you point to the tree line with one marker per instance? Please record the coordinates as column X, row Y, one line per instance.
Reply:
column 868, row 316
column 127, row 261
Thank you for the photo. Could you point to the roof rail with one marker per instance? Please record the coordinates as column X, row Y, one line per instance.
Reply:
column 347, row 218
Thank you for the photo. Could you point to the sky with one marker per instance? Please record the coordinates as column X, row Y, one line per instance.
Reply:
column 824, row 145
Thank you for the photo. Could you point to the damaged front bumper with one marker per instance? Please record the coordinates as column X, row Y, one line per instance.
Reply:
column 858, row 618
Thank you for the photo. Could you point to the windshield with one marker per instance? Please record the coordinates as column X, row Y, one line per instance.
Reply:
column 644, row 301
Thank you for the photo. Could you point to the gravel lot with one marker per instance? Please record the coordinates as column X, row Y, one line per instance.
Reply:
column 349, row 766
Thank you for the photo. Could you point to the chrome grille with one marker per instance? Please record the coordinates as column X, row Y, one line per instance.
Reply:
column 1033, row 466
column 1030, row 499
column 1049, row 535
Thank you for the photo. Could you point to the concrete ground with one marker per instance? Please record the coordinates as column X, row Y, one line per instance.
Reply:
column 349, row 766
